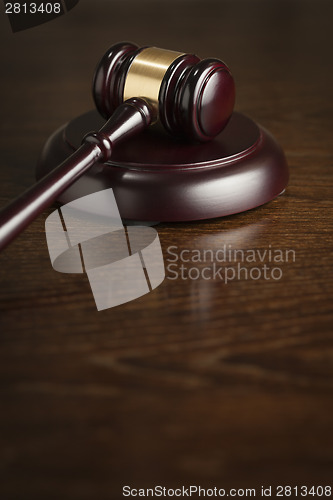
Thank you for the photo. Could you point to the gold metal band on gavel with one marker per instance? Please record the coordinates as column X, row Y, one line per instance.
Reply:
column 146, row 73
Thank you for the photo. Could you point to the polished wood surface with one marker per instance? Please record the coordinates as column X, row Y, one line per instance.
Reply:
column 198, row 382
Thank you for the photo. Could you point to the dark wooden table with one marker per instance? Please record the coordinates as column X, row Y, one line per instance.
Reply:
column 199, row 382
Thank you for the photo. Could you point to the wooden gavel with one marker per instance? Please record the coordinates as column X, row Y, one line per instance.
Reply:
column 134, row 87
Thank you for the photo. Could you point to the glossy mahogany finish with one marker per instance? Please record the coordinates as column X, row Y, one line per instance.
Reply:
column 206, row 99
column 196, row 97
column 188, row 96
column 156, row 177
column 109, row 77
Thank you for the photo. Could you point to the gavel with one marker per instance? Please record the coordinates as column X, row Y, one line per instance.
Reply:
column 133, row 88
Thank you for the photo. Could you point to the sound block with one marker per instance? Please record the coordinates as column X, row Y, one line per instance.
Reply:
column 157, row 177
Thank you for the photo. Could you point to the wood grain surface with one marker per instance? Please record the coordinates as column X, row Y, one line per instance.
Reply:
column 199, row 382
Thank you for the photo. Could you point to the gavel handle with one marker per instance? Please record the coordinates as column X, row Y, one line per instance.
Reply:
column 129, row 119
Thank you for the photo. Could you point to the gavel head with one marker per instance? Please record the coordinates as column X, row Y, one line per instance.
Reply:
column 189, row 96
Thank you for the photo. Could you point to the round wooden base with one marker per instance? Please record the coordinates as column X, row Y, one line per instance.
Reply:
column 157, row 177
